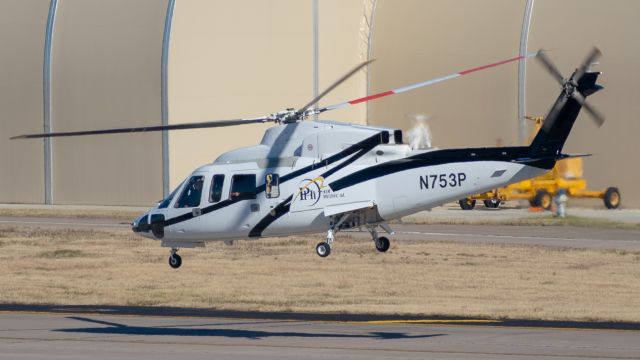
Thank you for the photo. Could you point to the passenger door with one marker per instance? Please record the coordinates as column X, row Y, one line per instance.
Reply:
column 241, row 216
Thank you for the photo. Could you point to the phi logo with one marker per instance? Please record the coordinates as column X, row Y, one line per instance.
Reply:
column 310, row 190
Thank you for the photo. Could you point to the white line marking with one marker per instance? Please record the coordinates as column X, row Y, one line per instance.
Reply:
column 502, row 236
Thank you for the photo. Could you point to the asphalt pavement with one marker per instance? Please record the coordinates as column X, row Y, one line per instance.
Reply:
column 77, row 335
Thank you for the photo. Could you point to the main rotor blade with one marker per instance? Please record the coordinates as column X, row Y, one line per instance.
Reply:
column 198, row 125
column 597, row 117
column 423, row 84
column 333, row 86
column 590, row 59
column 548, row 64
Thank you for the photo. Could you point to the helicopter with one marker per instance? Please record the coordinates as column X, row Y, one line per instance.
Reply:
column 307, row 177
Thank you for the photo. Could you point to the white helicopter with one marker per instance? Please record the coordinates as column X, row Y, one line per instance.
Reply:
column 314, row 176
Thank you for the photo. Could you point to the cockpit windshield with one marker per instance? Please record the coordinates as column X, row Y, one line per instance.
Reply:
column 166, row 201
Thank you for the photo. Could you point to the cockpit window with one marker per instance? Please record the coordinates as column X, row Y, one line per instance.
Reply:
column 191, row 194
column 216, row 188
column 243, row 187
column 166, row 201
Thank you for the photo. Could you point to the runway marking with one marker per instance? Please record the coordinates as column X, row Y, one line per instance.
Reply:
column 428, row 321
column 62, row 223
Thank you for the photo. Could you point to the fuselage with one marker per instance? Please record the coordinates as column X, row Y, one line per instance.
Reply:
column 373, row 179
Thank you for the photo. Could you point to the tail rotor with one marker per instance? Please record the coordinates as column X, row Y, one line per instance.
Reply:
column 573, row 86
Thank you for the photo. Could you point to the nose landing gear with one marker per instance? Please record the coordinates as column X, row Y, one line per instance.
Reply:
column 174, row 259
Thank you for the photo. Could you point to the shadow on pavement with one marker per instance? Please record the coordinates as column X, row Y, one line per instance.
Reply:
column 122, row 329
column 291, row 316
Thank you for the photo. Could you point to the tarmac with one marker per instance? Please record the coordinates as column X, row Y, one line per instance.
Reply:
column 79, row 335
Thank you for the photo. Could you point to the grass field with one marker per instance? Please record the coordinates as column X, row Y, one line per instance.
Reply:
column 125, row 215
column 119, row 268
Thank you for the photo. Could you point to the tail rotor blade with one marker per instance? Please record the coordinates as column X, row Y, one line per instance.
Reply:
column 551, row 68
column 590, row 59
column 597, row 117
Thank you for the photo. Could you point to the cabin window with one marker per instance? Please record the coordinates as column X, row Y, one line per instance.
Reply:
column 243, row 187
column 215, row 194
column 272, row 185
column 191, row 194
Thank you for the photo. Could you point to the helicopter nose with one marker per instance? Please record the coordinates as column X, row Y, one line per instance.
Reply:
column 141, row 224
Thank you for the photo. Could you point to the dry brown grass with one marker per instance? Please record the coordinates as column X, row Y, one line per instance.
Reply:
column 72, row 213
column 414, row 277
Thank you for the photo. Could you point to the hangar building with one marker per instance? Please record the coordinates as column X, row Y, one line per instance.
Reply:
column 90, row 64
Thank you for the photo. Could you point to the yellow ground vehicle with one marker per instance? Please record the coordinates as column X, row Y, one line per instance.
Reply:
column 567, row 174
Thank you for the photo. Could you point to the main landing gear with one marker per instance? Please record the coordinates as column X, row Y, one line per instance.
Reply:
column 174, row 259
column 323, row 249
column 382, row 243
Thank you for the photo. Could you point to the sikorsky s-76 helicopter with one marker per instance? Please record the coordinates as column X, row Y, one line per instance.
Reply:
column 313, row 176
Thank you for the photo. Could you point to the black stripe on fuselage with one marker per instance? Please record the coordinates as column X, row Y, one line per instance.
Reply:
column 359, row 149
column 439, row 157
column 273, row 215
column 284, row 207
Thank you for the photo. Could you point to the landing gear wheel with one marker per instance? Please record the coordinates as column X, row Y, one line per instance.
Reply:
column 491, row 204
column 467, row 204
column 382, row 244
column 612, row 198
column 175, row 261
column 323, row 249
column 543, row 199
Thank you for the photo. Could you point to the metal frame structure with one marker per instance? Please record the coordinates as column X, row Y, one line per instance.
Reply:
column 522, row 73
column 46, row 89
column 166, row 37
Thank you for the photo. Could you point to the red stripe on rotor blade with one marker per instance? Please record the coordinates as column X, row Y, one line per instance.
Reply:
column 491, row 65
column 371, row 97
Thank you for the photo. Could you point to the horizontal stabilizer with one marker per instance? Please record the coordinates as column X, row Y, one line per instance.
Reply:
column 549, row 158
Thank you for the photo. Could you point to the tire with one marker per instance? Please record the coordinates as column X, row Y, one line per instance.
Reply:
column 543, row 199
column 383, row 244
column 175, row 261
column 467, row 204
column 612, row 198
column 323, row 249
column 491, row 204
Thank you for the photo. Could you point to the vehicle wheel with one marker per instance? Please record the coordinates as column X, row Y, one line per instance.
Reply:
column 612, row 198
column 175, row 261
column 323, row 249
column 491, row 204
column 467, row 204
column 543, row 199
column 382, row 244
